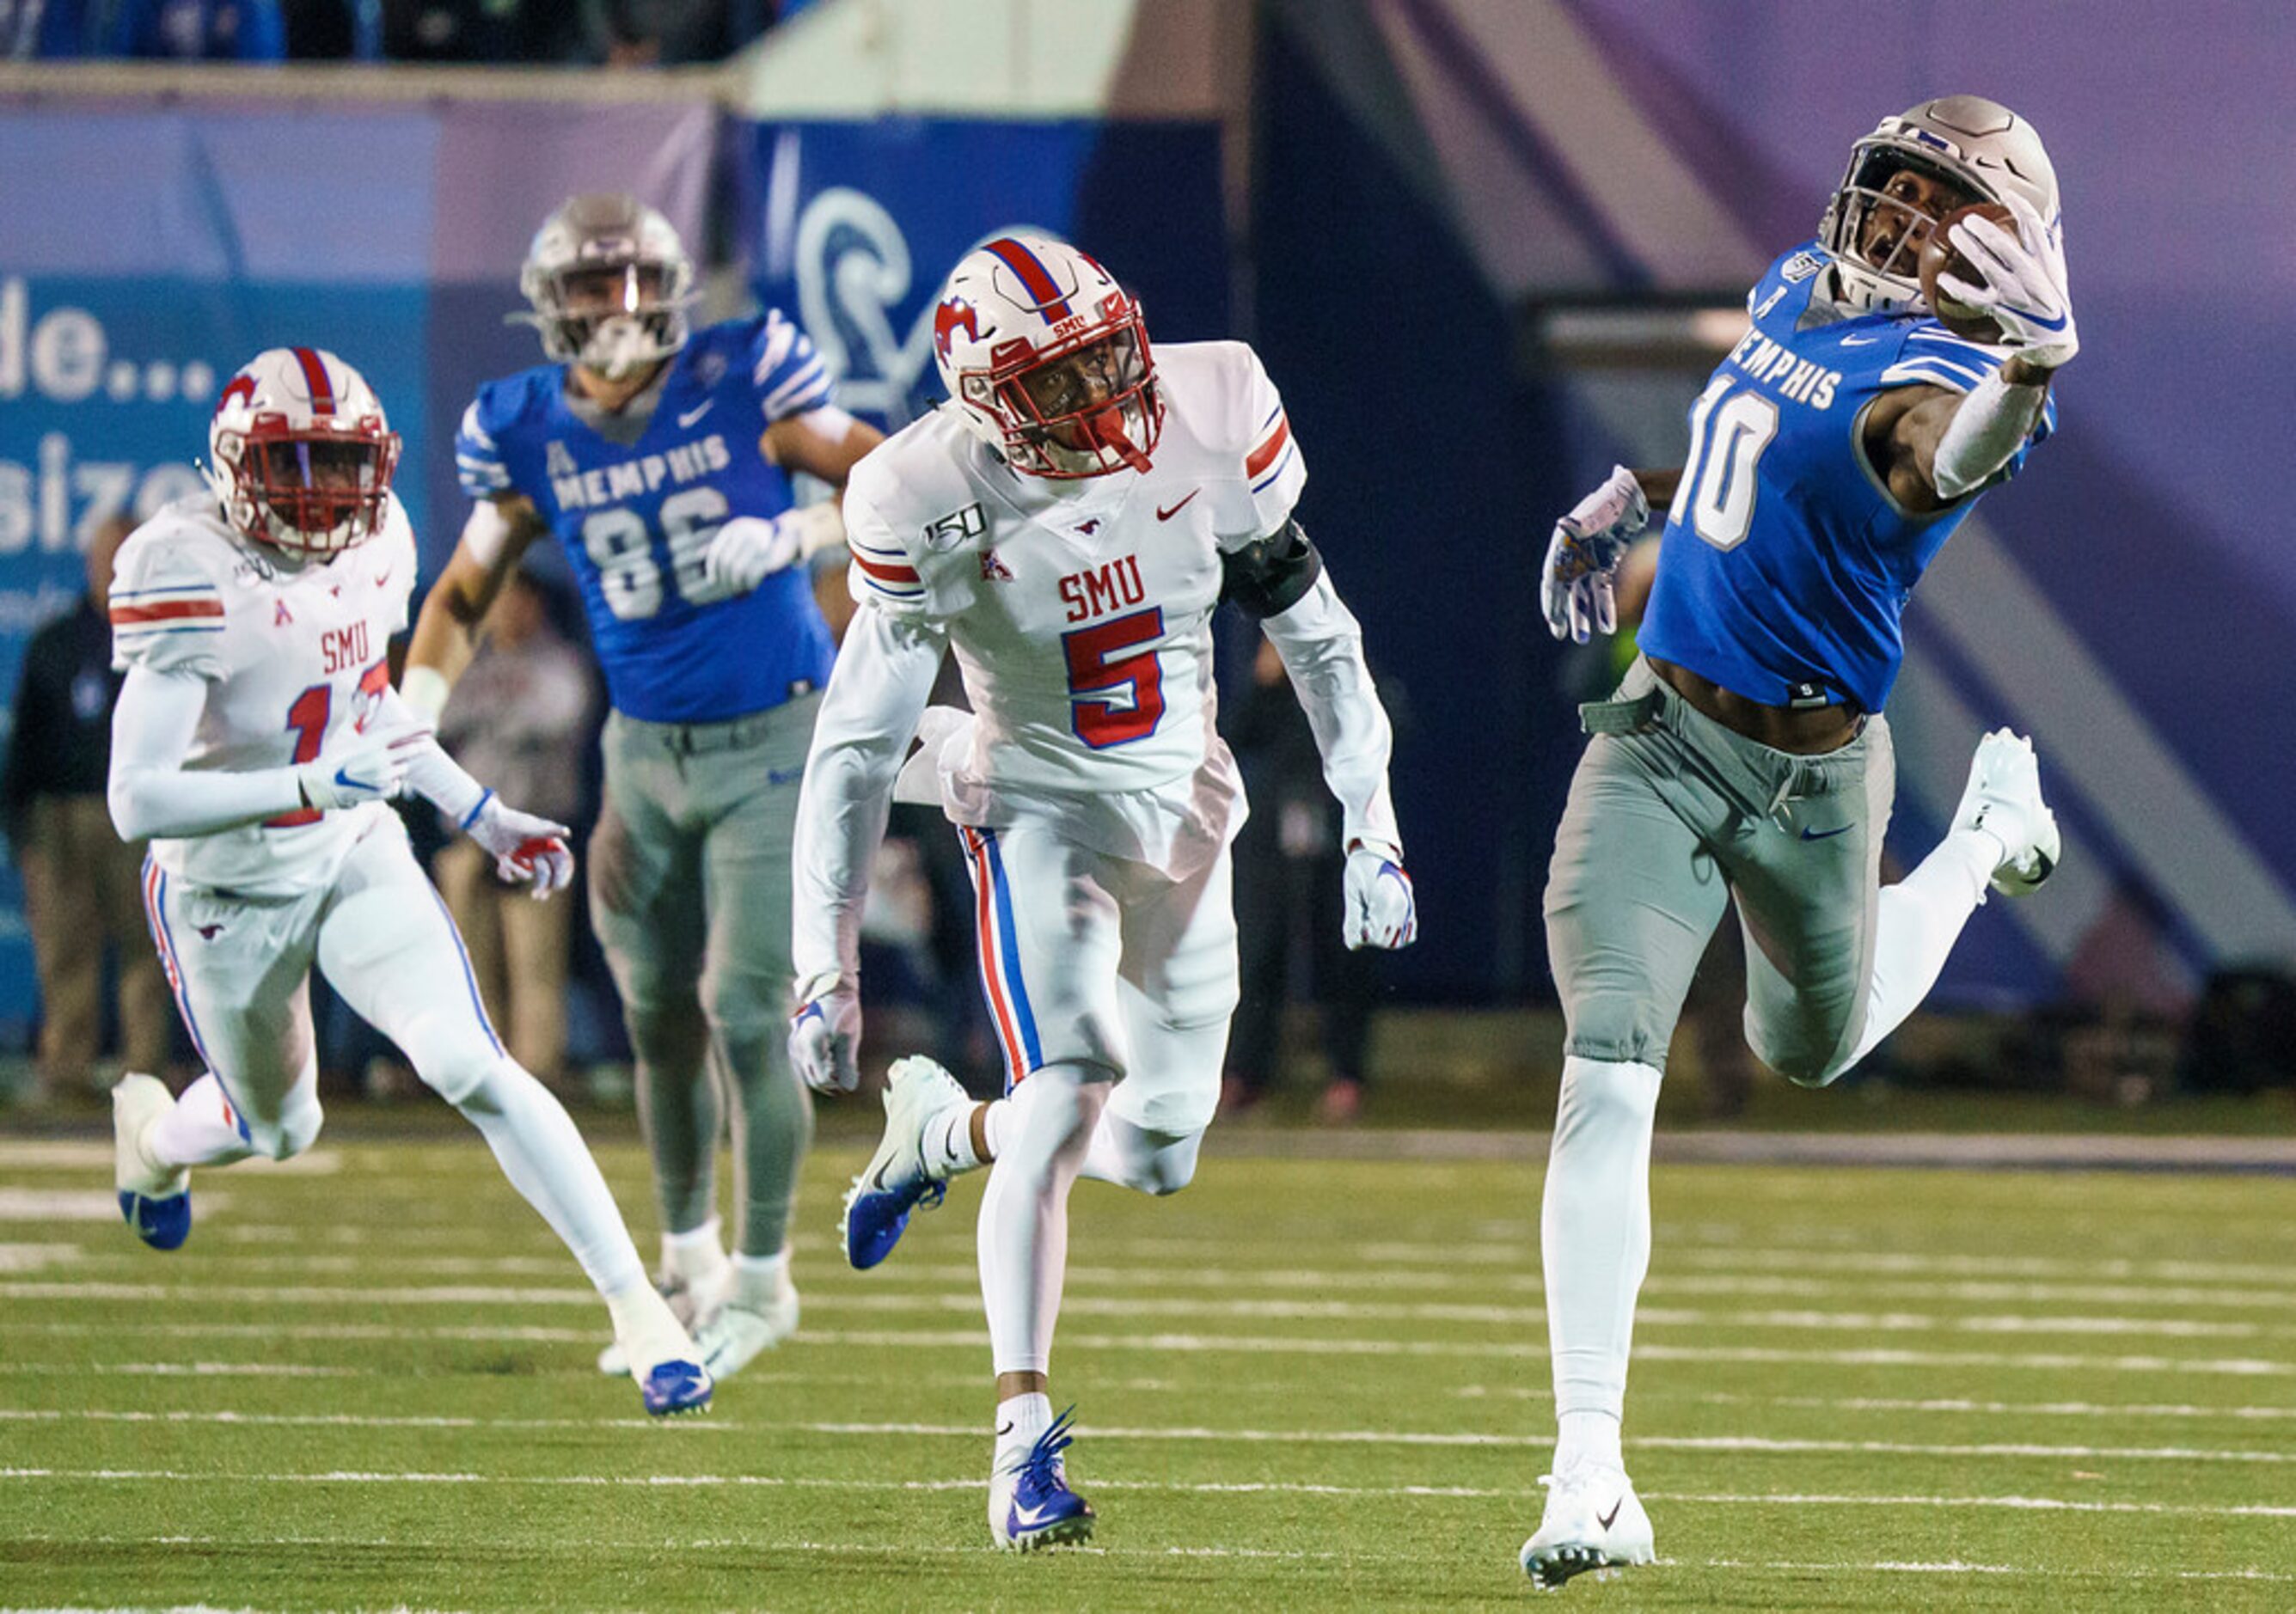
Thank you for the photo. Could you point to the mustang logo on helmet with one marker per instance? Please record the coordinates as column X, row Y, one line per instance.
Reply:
column 953, row 315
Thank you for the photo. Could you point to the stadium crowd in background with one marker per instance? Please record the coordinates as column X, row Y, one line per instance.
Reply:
column 611, row 33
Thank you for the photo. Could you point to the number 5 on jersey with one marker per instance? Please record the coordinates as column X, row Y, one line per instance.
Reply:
column 1116, row 689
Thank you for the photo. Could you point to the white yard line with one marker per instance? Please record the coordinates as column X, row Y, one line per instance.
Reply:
column 974, row 1482
column 1222, row 1437
column 1527, row 1318
column 1512, row 1350
column 184, row 1370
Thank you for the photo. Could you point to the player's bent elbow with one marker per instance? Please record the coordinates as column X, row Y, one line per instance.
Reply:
column 130, row 815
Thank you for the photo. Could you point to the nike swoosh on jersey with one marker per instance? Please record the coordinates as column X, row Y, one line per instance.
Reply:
column 1859, row 341
column 1809, row 834
column 1163, row 514
column 691, row 415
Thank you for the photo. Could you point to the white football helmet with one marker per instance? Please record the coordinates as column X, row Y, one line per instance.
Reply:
column 1046, row 359
column 1976, row 145
column 299, row 453
column 611, row 284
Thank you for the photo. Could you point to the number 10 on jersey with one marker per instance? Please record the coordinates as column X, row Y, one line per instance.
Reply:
column 1728, row 432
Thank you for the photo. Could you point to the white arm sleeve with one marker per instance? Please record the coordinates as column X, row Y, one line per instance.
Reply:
column 1992, row 423
column 884, row 675
column 431, row 772
column 1322, row 648
column 150, row 792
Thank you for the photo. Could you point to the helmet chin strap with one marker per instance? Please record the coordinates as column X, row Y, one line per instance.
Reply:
column 1105, row 429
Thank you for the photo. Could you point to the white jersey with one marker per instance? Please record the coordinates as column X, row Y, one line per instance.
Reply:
column 295, row 658
column 1080, row 611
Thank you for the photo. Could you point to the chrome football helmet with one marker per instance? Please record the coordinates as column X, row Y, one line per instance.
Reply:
column 1975, row 146
column 609, row 283
column 1046, row 359
column 299, row 453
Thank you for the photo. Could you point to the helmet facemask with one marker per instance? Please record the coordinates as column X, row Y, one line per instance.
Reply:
column 1082, row 407
column 313, row 491
column 1874, row 227
column 613, row 318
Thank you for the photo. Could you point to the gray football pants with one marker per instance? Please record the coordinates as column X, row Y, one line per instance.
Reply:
column 690, row 891
column 1670, row 816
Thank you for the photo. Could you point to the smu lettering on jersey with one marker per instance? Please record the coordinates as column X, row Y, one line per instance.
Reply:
column 1079, row 611
column 635, row 521
column 295, row 659
column 1786, row 565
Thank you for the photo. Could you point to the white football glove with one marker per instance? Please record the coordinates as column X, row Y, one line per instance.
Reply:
column 527, row 850
column 1582, row 558
column 747, row 550
column 372, row 768
column 2025, row 290
column 825, row 1040
column 1381, row 912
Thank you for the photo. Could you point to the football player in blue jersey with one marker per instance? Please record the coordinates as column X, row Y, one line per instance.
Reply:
column 1745, row 755
column 661, row 458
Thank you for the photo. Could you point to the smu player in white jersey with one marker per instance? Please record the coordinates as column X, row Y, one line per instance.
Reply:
column 256, row 740
column 1066, row 523
column 1746, row 758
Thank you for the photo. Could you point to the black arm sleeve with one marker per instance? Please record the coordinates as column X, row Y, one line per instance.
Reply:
column 1268, row 577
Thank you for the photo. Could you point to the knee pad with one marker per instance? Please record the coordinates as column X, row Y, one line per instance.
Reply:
column 1803, row 1066
column 1617, row 1026
column 296, row 1127
column 1154, row 1163
column 450, row 1055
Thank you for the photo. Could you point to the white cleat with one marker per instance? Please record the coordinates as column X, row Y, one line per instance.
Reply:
column 155, row 1199
column 1593, row 1520
column 898, row 1179
column 2003, row 799
column 664, row 1363
column 737, row 1331
column 694, row 1298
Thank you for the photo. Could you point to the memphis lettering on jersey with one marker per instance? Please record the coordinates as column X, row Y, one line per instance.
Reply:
column 1764, row 360
column 634, row 479
column 1102, row 589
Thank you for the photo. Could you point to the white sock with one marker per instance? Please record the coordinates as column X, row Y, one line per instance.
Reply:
column 758, row 1280
column 1020, row 1420
column 1587, row 1437
column 1595, row 1237
column 1919, row 920
column 198, row 1131
column 996, row 1119
column 696, row 1253
column 1023, row 1232
column 543, row 1157
column 947, row 1143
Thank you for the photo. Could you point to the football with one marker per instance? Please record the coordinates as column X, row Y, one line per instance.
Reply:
column 1940, row 257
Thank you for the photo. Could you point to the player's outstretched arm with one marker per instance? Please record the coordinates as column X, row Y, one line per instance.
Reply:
column 529, row 851
column 1937, row 445
column 495, row 540
column 826, row 443
column 152, row 793
column 1281, row 581
column 884, row 676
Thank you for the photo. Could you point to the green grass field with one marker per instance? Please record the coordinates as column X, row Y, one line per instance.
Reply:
column 1316, row 1385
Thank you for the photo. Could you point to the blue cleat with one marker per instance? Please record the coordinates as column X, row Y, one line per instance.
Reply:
column 898, row 1179
column 1029, row 1502
column 156, row 1201
column 673, row 1388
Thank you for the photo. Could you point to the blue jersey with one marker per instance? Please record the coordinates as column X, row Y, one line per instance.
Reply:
column 636, row 521
column 1786, row 565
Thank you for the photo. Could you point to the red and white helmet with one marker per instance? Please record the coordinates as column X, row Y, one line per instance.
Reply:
column 299, row 453
column 1046, row 359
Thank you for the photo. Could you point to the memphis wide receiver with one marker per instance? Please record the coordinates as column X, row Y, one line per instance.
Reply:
column 1833, row 452
column 1066, row 523
column 256, row 740
column 660, row 457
